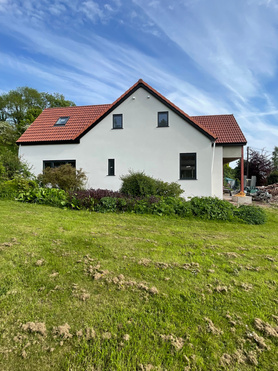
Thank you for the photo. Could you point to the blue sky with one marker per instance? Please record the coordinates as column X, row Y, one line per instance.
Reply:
column 208, row 57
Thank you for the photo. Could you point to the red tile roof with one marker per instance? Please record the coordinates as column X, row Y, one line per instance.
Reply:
column 80, row 118
column 224, row 127
column 84, row 118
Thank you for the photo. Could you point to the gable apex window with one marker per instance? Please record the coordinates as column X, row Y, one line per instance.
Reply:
column 162, row 121
column 188, row 166
column 118, row 121
column 62, row 121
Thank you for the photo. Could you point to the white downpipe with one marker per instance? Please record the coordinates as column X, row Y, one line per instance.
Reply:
column 212, row 167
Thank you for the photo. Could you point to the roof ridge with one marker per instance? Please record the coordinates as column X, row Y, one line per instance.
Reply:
column 86, row 105
column 221, row 114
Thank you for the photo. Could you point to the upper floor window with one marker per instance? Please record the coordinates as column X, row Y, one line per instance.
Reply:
column 162, row 119
column 62, row 121
column 188, row 166
column 118, row 121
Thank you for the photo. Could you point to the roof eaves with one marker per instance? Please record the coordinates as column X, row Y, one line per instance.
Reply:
column 37, row 143
column 231, row 144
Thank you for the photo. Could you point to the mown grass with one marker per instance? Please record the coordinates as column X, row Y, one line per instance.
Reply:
column 160, row 293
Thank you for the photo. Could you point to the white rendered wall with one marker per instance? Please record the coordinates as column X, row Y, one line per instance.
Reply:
column 217, row 173
column 139, row 146
column 232, row 152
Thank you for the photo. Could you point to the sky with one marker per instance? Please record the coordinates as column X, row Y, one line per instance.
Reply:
column 206, row 56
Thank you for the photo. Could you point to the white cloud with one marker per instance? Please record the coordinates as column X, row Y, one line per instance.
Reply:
column 233, row 45
column 92, row 10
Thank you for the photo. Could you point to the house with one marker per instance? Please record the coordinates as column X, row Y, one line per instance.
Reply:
column 141, row 131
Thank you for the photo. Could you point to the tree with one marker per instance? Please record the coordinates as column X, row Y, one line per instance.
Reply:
column 275, row 158
column 22, row 106
column 12, row 166
column 228, row 172
column 273, row 177
column 8, row 137
column 260, row 165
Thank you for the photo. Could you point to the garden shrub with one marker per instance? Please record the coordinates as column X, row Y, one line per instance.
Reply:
column 181, row 207
column 88, row 199
column 45, row 196
column 211, row 208
column 64, row 177
column 109, row 201
column 251, row 214
column 167, row 189
column 107, row 204
column 138, row 184
column 10, row 189
column 13, row 165
column 3, row 175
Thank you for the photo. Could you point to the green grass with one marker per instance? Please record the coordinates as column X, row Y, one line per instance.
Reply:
column 188, row 298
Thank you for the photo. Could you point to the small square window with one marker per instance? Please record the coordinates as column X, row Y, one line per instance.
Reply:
column 62, row 121
column 188, row 166
column 111, row 167
column 162, row 119
column 117, row 121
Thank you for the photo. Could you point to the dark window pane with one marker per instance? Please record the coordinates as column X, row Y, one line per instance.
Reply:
column 188, row 166
column 162, row 119
column 47, row 164
column 62, row 121
column 111, row 166
column 117, row 121
column 57, row 163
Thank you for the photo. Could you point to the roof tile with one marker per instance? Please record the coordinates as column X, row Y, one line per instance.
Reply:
column 224, row 127
column 80, row 118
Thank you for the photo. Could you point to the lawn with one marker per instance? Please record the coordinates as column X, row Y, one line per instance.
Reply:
column 91, row 291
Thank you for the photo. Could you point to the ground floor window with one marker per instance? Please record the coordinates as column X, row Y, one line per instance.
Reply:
column 111, row 166
column 187, row 165
column 57, row 163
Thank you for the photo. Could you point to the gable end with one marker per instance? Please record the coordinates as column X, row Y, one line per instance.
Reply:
column 158, row 96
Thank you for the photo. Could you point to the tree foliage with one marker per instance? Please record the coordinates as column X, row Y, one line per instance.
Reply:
column 11, row 166
column 228, row 172
column 273, row 177
column 8, row 136
column 22, row 106
column 260, row 165
column 275, row 158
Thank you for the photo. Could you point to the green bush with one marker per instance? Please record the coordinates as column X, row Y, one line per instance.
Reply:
column 107, row 204
column 13, row 165
column 138, row 184
column 64, row 177
column 11, row 188
column 251, row 214
column 167, row 189
column 3, row 174
column 273, row 177
column 45, row 196
column 181, row 207
column 201, row 207
column 211, row 208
